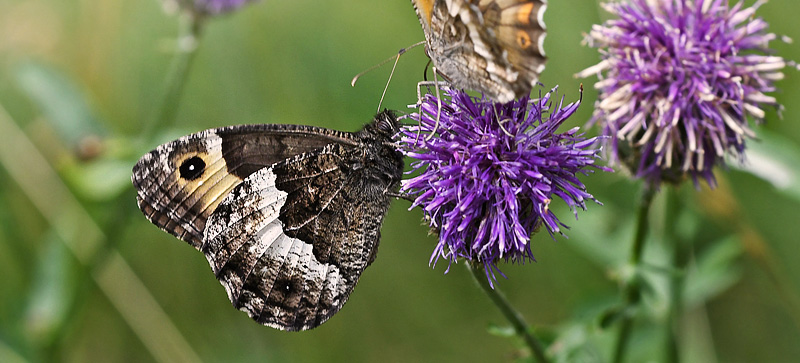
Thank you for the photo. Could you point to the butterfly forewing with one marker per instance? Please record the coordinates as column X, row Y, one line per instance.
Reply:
column 289, row 239
column 180, row 183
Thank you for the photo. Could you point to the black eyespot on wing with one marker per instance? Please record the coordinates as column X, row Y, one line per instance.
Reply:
column 192, row 168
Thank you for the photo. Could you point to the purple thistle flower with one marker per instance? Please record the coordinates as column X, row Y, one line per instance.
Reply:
column 206, row 7
column 488, row 174
column 680, row 79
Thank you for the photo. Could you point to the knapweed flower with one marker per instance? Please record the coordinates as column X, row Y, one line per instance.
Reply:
column 681, row 78
column 487, row 173
column 205, row 7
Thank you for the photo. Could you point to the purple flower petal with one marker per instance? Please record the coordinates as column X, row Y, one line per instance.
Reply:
column 487, row 175
column 678, row 80
column 207, row 7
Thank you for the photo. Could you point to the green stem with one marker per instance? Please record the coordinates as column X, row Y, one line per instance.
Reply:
column 124, row 217
column 680, row 256
column 513, row 316
column 81, row 233
column 188, row 37
column 632, row 289
column 187, row 44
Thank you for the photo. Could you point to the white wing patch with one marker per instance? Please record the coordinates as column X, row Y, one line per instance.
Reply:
column 275, row 278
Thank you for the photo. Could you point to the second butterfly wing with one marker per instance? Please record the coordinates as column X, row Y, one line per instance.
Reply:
column 491, row 46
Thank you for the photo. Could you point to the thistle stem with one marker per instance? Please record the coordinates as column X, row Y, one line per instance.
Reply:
column 632, row 289
column 187, row 43
column 513, row 316
column 680, row 255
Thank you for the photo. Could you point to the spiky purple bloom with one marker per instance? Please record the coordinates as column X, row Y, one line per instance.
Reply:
column 487, row 175
column 680, row 78
column 206, row 7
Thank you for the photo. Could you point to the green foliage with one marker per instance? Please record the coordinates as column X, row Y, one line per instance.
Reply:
column 52, row 295
column 776, row 160
column 62, row 103
column 87, row 278
column 100, row 180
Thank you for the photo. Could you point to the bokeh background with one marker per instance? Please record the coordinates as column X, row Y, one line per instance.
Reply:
column 85, row 277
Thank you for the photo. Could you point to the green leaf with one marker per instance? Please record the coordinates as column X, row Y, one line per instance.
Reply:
column 9, row 355
column 502, row 331
column 60, row 100
column 53, row 291
column 776, row 160
column 714, row 272
column 594, row 237
column 611, row 316
column 99, row 180
column 580, row 342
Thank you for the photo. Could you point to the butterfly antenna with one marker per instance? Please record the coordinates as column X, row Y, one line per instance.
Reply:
column 391, row 74
column 396, row 58
column 370, row 69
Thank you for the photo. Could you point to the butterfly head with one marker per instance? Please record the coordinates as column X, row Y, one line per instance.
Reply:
column 382, row 128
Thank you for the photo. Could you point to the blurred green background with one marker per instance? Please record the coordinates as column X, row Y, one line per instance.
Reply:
column 85, row 277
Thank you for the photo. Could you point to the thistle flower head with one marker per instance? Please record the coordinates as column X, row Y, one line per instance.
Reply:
column 678, row 80
column 205, row 7
column 487, row 174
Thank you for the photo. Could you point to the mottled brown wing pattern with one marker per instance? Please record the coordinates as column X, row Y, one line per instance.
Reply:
column 492, row 46
column 520, row 31
column 289, row 240
column 224, row 157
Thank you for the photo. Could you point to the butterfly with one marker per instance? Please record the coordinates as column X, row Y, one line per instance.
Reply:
column 491, row 46
column 288, row 216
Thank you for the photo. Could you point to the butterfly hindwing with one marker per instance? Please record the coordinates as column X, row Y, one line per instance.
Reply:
column 520, row 31
column 274, row 278
column 290, row 240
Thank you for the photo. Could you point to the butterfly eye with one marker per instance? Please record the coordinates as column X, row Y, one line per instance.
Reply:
column 385, row 125
column 192, row 168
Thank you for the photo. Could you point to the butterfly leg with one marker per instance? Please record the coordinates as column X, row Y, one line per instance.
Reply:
column 499, row 121
column 438, row 105
column 404, row 196
column 435, row 83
